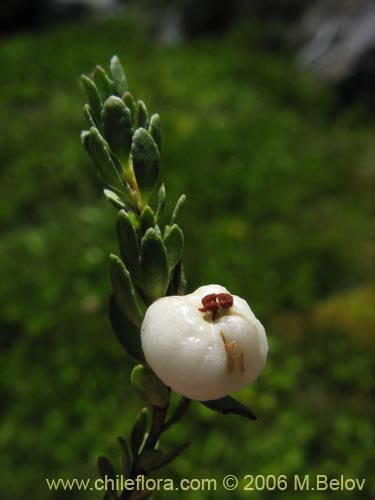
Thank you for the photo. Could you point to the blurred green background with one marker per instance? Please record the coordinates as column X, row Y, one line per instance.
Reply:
column 279, row 183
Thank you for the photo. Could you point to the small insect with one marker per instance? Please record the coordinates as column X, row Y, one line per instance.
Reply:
column 213, row 302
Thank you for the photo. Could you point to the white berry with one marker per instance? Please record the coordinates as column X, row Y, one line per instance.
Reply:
column 203, row 355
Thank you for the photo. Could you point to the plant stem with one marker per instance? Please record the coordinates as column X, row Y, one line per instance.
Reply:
column 157, row 427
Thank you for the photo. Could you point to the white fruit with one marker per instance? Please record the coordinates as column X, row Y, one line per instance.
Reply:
column 202, row 355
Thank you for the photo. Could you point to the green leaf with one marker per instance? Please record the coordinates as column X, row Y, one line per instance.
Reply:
column 182, row 280
column 179, row 412
column 124, row 292
column 134, row 220
column 93, row 97
column 102, row 82
column 126, row 460
column 146, row 162
column 117, row 127
column 141, row 115
column 114, row 199
column 130, row 103
column 128, row 243
column 168, row 458
column 161, row 201
column 149, row 387
column 154, row 265
column 106, row 469
column 174, row 243
column 103, row 162
column 228, row 405
column 120, row 85
column 149, row 459
column 157, row 230
column 127, row 334
column 85, row 140
column 89, row 117
column 147, row 219
column 177, row 284
column 138, row 432
column 155, row 129
column 177, row 208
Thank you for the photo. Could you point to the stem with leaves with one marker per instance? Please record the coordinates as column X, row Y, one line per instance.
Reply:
column 124, row 143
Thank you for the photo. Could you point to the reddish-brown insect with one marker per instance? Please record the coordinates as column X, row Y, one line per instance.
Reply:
column 213, row 302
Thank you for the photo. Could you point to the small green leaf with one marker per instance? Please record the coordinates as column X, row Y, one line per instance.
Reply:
column 157, row 230
column 177, row 284
column 134, row 220
column 179, row 412
column 138, row 432
column 161, row 201
column 149, row 459
column 114, row 199
column 141, row 115
column 126, row 460
column 103, row 161
column 155, row 129
column 147, row 219
column 93, row 97
column 228, row 405
column 117, row 127
column 130, row 103
column 120, row 85
column 89, row 117
column 146, row 162
column 149, row 387
column 174, row 243
column 85, row 140
column 168, row 458
column 124, row 292
column 127, row 334
column 128, row 243
column 103, row 83
column 154, row 265
column 182, row 280
column 177, row 208
column 106, row 469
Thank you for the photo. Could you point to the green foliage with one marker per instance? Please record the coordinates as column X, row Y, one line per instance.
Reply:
column 124, row 292
column 229, row 405
column 279, row 212
column 117, row 126
column 149, row 387
column 146, row 161
column 154, row 265
column 174, row 244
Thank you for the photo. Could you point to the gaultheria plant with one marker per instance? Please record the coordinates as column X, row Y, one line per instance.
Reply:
column 203, row 345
